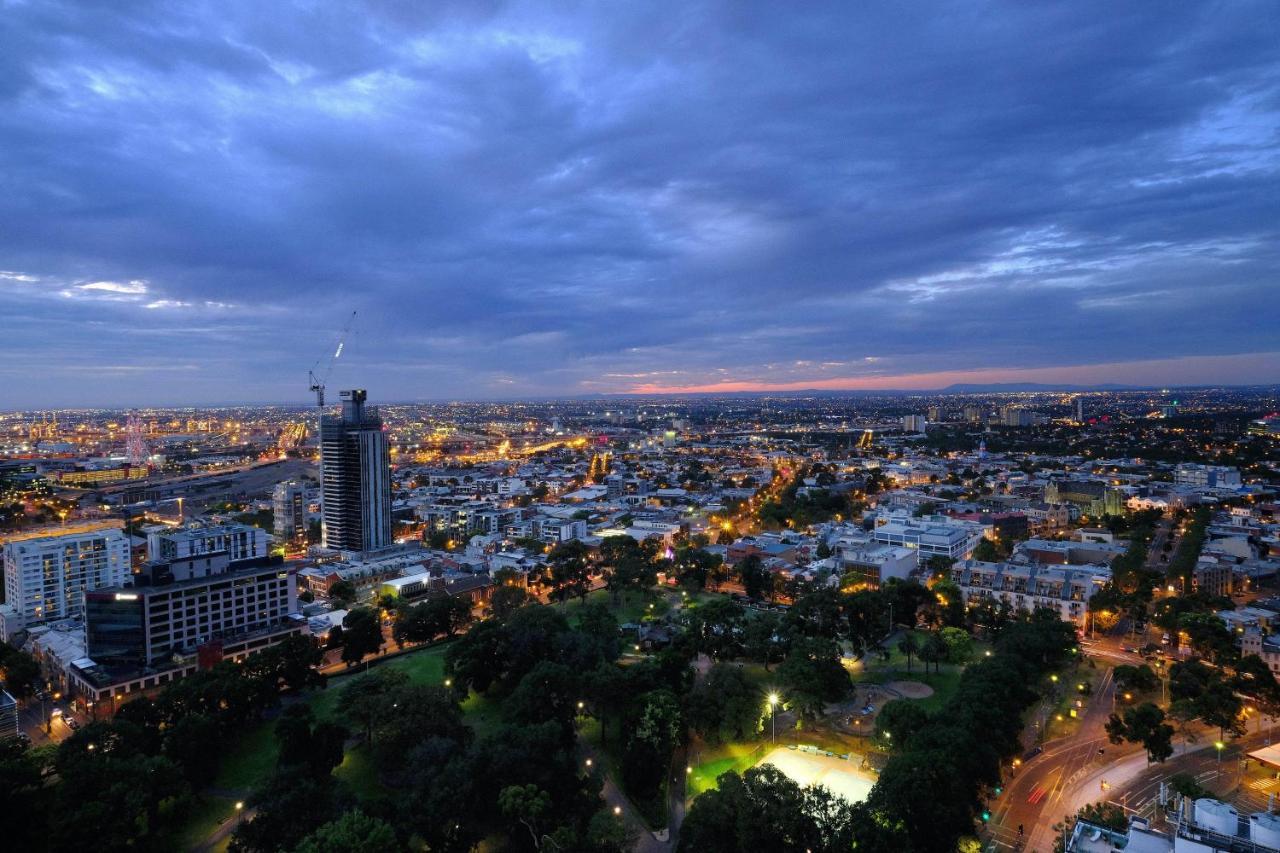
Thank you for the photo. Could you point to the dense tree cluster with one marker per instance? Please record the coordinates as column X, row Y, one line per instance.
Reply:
column 932, row 789
column 19, row 671
column 127, row 783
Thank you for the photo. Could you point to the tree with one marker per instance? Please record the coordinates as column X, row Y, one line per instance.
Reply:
column 480, row 657
column 304, row 744
column 191, row 743
column 1208, row 635
column 526, row 805
column 290, row 806
column 933, row 650
column 550, row 691
column 959, row 645
column 986, row 551
column 363, row 701
column 409, row 715
column 763, row 639
column 1143, row 724
column 342, row 592
column 764, row 810
column 23, row 820
column 756, row 579
column 900, row 719
column 726, row 705
column 289, row 664
column 813, row 675
column 655, row 726
column 716, row 628
column 506, row 599
column 19, row 671
column 361, row 635
column 1140, row 678
column 354, row 832
column 570, row 571
column 909, row 646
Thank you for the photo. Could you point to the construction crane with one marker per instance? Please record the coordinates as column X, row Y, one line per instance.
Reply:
column 318, row 380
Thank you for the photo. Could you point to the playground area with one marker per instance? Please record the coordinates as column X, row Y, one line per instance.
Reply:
column 809, row 766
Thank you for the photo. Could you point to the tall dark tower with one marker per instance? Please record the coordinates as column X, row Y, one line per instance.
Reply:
column 355, row 464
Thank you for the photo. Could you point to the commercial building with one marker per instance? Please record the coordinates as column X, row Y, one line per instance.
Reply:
column 289, row 509
column 930, row 535
column 1063, row 589
column 914, row 423
column 208, row 600
column 201, row 610
column 865, row 564
column 1062, row 552
column 1206, row 476
column 355, row 465
column 237, row 541
column 46, row 578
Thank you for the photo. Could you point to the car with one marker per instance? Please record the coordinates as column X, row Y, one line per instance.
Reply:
column 867, row 710
column 1032, row 753
column 72, row 724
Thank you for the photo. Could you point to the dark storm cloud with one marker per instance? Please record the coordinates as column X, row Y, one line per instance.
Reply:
column 608, row 197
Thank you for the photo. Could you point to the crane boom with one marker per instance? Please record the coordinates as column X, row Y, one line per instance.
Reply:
column 318, row 381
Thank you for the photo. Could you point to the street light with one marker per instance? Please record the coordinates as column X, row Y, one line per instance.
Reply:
column 239, row 810
column 1219, row 745
column 773, row 714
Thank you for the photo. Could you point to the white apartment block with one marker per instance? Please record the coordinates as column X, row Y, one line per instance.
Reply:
column 46, row 578
column 931, row 535
column 1063, row 589
column 1206, row 476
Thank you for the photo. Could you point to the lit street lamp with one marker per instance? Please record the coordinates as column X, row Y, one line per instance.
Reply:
column 773, row 714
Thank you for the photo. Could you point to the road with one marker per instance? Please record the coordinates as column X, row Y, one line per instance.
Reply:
column 1034, row 792
column 1228, row 773
column 31, row 721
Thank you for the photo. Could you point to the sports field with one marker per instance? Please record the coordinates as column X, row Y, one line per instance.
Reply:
column 837, row 775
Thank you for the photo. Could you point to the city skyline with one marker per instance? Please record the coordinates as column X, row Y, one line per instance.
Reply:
column 526, row 204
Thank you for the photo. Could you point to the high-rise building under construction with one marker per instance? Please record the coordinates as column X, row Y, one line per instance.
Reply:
column 355, row 465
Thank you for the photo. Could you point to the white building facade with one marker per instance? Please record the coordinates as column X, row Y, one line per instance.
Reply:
column 46, row 578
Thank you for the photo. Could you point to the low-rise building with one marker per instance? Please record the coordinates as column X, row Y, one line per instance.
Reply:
column 930, row 535
column 237, row 541
column 869, row 565
column 1063, row 589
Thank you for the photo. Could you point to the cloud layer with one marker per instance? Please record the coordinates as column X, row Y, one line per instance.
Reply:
column 617, row 197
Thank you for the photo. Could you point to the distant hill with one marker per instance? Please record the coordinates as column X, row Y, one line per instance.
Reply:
column 1016, row 387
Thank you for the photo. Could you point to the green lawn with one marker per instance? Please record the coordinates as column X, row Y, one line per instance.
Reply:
column 253, row 757
column 358, row 772
column 482, row 713
column 206, row 815
column 250, row 761
column 735, row 757
column 629, row 606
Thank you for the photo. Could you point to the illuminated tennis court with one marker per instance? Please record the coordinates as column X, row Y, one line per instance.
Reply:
column 837, row 775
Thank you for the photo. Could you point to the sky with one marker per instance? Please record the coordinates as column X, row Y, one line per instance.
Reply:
column 530, row 200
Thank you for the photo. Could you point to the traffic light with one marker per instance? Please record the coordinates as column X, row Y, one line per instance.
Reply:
column 986, row 816
column 999, row 790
